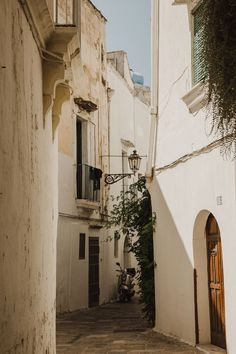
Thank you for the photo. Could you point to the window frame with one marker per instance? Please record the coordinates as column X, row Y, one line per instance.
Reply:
column 194, row 9
column 82, row 246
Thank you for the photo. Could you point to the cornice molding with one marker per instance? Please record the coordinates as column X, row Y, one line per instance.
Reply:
column 196, row 98
column 179, row 2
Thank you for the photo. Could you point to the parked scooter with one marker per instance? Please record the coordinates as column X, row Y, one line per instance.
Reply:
column 125, row 283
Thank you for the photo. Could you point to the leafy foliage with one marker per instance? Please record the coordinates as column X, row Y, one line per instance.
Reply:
column 219, row 60
column 133, row 215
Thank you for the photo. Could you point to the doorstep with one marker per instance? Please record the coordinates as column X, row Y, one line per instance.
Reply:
column 211, row 349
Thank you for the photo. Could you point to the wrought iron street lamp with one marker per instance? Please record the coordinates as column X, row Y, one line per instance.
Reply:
column 134, row 161
column 134, row 164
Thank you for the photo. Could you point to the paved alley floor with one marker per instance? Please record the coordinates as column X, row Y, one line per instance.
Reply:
column 113, row 329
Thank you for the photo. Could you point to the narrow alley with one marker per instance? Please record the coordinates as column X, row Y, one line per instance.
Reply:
column 113, row 329
column 117, row 175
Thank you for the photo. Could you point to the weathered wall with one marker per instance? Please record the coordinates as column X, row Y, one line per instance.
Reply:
column 87, row 75
column 27, row 194
column 179, row 194
column 119, row 60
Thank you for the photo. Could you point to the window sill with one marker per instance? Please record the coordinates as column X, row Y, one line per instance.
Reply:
column 179, row 2
column 210, row 349
column 86, row 204
column 195, row 99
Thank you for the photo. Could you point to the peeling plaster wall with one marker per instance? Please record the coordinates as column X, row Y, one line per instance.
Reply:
column 88, row 69
column 28, row 218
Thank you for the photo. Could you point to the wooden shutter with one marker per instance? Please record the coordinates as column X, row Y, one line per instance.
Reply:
column 81, row 246
column 198, row 69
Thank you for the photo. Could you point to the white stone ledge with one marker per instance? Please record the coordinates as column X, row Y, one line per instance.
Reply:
column 86, row 204
column 179, row 2
column 196, row 98
column 210, row 349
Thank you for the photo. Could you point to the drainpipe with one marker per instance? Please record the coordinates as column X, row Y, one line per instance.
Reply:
column 154, row 89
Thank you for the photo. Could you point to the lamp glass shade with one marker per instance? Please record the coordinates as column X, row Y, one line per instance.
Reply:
column 134, row 161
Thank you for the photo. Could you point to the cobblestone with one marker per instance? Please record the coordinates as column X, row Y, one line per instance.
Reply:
column 113, row 329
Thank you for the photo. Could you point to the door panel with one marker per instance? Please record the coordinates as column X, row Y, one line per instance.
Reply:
column 216, row 283
column 93, row 271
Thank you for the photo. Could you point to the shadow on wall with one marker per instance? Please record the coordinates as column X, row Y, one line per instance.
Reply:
column 181, row 282
column 174, row 274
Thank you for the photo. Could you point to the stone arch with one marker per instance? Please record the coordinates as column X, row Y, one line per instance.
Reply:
column 201, row 280
column 200, row 256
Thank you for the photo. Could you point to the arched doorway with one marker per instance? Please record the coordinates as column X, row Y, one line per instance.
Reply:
column 215, row 282
column 208, row 281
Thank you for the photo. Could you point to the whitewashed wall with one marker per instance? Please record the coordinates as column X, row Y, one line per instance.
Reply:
column 183, row 196
column 129, row 130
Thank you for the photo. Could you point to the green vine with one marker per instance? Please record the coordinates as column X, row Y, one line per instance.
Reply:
column 219, row 61
column 132, row 214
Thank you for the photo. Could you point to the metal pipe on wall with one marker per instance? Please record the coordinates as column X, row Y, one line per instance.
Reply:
column 154, row 88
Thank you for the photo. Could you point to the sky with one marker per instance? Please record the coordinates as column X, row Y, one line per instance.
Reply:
column 128, row 29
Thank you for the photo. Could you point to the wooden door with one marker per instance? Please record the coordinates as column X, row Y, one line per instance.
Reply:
column 216, row 283
column 93, row 271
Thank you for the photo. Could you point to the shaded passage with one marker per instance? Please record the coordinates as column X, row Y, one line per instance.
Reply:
column 112, row 329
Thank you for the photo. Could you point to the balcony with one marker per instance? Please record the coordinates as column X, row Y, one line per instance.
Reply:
column 88, row 183
column 66, row 26
column 65, row 13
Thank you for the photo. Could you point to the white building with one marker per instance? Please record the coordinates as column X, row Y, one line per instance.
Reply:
column 82, row 141
column 193, row 191
column 128, row 110
column 88, row 140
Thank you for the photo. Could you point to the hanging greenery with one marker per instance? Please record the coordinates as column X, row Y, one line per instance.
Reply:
column 132, row 214
column 219, row 61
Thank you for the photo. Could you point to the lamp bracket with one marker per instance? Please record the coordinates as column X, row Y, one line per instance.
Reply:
column 113, row 178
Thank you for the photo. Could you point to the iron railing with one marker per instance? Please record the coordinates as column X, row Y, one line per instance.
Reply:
column 88, row 182
column 65, row 12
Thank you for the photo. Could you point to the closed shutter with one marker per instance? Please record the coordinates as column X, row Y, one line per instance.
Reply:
column 198, row 69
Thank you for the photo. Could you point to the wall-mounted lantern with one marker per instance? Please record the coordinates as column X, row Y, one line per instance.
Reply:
column 134, row 164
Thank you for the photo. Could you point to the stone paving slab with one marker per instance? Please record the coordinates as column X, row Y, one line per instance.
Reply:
column 113, row 329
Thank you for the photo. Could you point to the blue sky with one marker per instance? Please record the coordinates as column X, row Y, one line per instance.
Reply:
column 128, row 28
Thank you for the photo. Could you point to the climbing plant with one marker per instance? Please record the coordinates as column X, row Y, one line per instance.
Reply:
column 219, row 61
column 132, row 214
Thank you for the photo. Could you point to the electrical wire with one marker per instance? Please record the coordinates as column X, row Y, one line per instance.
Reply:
column 204, row 150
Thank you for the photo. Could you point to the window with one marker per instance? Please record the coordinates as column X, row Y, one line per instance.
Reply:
column 198, row 69
column 116, row 248
column 88, row 177
column 81, row 246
